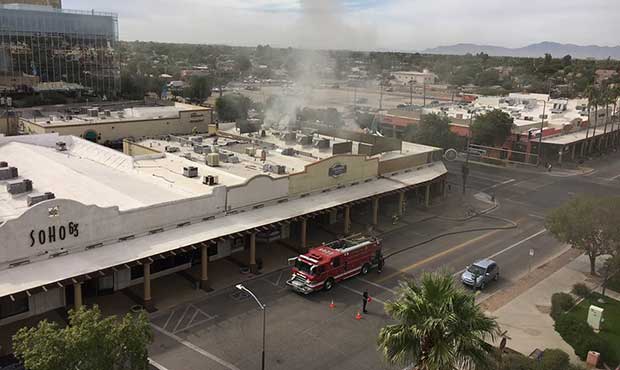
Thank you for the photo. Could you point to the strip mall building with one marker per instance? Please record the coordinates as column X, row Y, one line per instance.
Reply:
column 76, row 214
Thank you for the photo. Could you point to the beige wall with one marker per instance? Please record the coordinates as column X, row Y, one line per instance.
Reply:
column 316, row 175
column 401, row 163
column 185, row 124
column 133, row 149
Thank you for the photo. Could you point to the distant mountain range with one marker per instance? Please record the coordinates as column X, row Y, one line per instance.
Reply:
column 532, row 51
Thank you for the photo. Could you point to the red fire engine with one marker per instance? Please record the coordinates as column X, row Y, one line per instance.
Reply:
column 330, row 263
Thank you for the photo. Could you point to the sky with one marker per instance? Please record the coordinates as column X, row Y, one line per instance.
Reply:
column 407, row 25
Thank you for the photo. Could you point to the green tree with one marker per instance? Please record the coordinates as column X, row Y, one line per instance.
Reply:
column 492, row 128
column 89, row 342
column 439, row 327
column 433, row 130
column 243, row 63
column 588, row 224
column 232, row 107
column 199, row 88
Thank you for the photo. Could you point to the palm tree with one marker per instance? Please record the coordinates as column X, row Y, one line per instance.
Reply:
column 605, row 99
column 439, row 327
column 596, row 95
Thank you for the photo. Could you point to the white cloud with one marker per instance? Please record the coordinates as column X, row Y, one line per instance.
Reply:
column 364, row 24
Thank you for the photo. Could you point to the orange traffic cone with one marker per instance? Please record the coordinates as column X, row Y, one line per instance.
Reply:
column 332, row 304
column 358, row 316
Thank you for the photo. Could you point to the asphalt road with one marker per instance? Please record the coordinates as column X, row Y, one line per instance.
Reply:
column 303, row 332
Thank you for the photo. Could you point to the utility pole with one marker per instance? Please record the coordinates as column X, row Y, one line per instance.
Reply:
column 542, row 124
column 410, row 93
column 465, row 169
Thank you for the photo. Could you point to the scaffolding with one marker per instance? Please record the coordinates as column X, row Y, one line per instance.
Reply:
column 43, row 45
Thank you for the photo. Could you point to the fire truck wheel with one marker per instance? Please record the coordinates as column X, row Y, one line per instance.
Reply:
column 329, row 284
column 365, row 269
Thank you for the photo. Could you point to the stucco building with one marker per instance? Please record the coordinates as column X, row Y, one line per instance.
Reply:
column 78, row 219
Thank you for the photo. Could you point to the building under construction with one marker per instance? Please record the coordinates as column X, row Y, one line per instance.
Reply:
column 46, row 48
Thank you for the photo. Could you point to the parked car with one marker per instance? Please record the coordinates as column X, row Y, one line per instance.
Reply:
column 479, row 274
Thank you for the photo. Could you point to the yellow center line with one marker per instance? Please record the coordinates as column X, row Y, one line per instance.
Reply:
column 440, row 254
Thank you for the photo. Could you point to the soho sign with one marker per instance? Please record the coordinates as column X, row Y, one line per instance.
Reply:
column 53, row 234
column 337, row 170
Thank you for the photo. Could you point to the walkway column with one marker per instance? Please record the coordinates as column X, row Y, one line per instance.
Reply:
column 304, row 234
column 375, row 211
column 204, row 266
column 572, row 153
column 147, row 284
column 401, row 203
column 427, row 198
column 77, row 295
column 347, row 220
column 253, row 267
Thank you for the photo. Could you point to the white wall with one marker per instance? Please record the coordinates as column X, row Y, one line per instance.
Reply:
column 261, row 189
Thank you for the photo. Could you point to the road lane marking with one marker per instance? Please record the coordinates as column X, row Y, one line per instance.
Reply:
column 439, row 255
column 195, row 348
column 509, row 248
column 377, row 285
column 497, row 185
column 360, row 293
column 613, row 178
column 536, row 216
column 157, row 365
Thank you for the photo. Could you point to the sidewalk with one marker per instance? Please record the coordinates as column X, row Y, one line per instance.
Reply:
column 526, row 317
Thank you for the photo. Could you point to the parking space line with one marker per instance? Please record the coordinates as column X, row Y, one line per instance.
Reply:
column 497, row 185
column 360, row 293
column 195, row 348
column 377, row 285
column 181, row 319
column 157, row 365
column 169, row 318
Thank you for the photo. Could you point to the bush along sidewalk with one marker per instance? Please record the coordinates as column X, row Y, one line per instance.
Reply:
column 570, row 322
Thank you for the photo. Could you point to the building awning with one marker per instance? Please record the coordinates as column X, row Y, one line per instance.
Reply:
column 77, row 266
column 576, row 137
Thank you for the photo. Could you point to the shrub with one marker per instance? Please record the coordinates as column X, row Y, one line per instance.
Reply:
column 517, row 362
column 581, row 290
column 560, row 303
column 554, row 359
column 580, row 336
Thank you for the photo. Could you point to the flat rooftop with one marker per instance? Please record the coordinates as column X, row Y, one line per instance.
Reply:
column 93, row 174
column 76, row 116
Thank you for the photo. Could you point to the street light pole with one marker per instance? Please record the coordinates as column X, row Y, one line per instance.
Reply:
column 262, row 307
column 542, row 124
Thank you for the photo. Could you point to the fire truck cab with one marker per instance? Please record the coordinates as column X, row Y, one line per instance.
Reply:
column 327, row 264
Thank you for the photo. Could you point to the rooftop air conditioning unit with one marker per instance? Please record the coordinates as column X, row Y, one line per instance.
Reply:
column 108, row 113
column 171, row 149
column 93, row 112
column 19, row 186
column 280, row 170
column 288, row 151
column 322, row 144
column 290, row 137
column 305, row 140
column 3, row 164
column 210, row 180
column 84, row 110
column 213, row 159
column 8, row 173
column 251, row 151
column 61, row 146
column 190, row 171
column 33, row 199
column 233, row 159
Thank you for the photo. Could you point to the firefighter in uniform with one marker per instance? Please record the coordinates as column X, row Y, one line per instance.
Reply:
column 364, row 301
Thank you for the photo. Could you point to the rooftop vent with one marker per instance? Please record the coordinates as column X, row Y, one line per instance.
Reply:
column 61, row 146
column 7, row 173
column 19, row 186
column 33, row 199
column 190, row 171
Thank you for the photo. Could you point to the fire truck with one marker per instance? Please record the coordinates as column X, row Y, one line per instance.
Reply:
column 327, row 264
